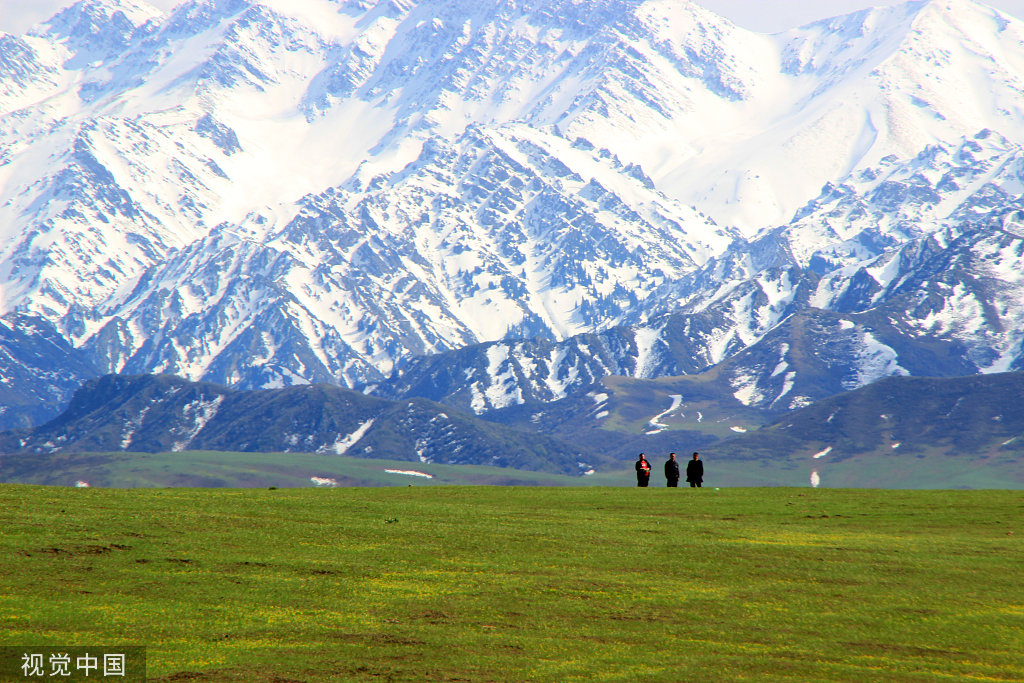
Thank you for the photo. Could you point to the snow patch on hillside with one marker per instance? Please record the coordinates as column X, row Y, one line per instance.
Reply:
column 503, row 389
column 343, row 444
column 747, row 391
column 646, row 339
column 874, row 361
column 655, row 422
column 132, row 426
column 198, row 412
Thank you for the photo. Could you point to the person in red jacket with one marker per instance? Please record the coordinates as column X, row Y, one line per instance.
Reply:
column 643, row 472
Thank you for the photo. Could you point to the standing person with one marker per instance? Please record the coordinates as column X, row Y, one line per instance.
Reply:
column 643, row 471
column 695, row 471
column 672, row 471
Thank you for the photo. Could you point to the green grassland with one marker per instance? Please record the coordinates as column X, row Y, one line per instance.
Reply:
column 213, row 469
column 523, row 583
column 724, row 466
column 935, row 470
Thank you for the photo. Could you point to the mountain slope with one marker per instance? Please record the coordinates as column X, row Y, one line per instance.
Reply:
column 491, row 236
column 878, row 434
column 881, row 207
column 161, row 413
column 944, row 305
column 812, row 356
column 855, row 90
column 39, row 371
column 269, row 193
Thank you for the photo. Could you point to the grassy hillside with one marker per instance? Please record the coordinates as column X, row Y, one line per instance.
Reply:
column 911, row 432
column 523, row 584
column 898, row 432
column 162, row 413
column 620, row 417
column 723, row 468
column 211, row 469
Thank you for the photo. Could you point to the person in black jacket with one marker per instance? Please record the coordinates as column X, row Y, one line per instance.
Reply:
column 643, row 471
column 672, row 471
column 695, row 471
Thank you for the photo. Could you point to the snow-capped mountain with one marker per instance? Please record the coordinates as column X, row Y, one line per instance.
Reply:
column 489, row 235
column 847, row 93
column 953, row 300
column 966, row 289
column 500, row 374
column 879, row 208
column 272, row 192
column 942, row 305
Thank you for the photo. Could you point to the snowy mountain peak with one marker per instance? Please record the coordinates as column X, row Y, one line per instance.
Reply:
column 945, row 186
column 830, row 47
column 284, row 191
column 85, row 15
column 92, row 30
column 850, row 91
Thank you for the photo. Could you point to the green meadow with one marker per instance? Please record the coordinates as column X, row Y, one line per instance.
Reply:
column 480, row 583
column 214, row 469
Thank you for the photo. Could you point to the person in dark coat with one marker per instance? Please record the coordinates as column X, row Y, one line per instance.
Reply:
column 672, row 471
column 695, row 471
column 643, row 471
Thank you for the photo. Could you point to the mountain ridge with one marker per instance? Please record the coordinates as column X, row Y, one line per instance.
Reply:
column 268, row 194
column 164, row 413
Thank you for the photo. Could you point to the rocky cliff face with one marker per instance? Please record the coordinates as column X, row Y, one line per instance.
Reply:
column 40, row 371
